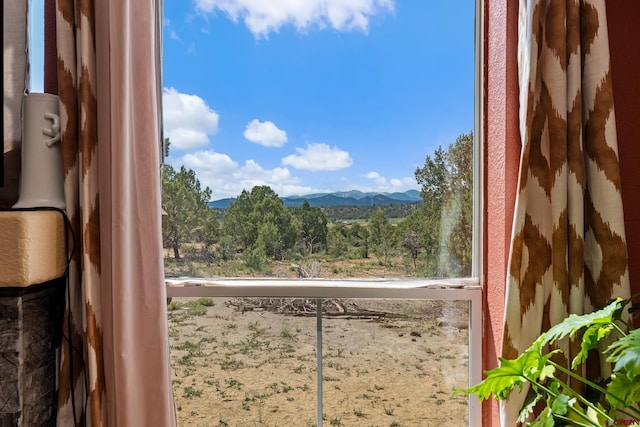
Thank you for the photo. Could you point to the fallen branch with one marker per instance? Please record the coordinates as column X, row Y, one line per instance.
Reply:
column 333, row 307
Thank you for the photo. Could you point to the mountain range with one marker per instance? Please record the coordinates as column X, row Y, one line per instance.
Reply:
column 340, row 198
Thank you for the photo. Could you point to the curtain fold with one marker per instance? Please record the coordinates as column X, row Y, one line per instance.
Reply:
column 115, row 367
column 568, row 250
column 14, row 83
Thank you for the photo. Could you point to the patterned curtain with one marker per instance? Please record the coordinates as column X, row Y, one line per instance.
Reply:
column 568, row 250
column 76, row 77
column 114, row 368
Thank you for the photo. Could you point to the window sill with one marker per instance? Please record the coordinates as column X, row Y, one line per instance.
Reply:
column 444, row 289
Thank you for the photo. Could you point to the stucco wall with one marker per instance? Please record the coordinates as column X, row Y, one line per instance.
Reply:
column 624, row 33
column 502, row 154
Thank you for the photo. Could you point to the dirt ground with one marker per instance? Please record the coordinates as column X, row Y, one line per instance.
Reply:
column 258, row 368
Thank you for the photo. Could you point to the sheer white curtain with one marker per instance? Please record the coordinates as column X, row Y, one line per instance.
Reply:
column 138, row 375
column 14, row 76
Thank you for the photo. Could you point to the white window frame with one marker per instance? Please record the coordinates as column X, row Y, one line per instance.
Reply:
column 465, row 289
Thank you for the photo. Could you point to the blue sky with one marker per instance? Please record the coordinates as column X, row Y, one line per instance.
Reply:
column 36, row 45
column 313, row 95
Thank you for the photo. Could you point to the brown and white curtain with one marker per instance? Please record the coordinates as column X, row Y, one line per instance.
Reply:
column 568, row 249
column 115, row 359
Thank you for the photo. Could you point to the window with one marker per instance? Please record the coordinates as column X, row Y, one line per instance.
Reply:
column 269, row 100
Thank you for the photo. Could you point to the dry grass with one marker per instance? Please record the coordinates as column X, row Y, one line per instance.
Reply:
column 258, row 368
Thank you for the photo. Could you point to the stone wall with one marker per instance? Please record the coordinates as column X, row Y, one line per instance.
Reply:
column 29, row 336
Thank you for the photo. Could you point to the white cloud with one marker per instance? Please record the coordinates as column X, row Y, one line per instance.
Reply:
column 252, row 174
column 227, row 178
column 210, row 161
column 382, row 184
column 409, row 181
column 265, row 133
column 396, row 183
column 319, row 157
column 191, row 50
column 377, row 178
column 188, row 120
column 262, row 17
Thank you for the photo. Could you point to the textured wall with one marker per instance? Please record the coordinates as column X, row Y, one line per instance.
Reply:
column 501, row 156
column 624, row 32
column 29, row 325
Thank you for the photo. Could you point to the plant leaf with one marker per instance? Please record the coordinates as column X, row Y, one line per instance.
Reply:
column 590, row 339
column 500, row 381
column 560, row 405
column 594, row 416
column 545, row 419
column 530, row 402
column 625, row 353
column 578, row 416
column 573, row 323
column 547, row 372
column 624, row 388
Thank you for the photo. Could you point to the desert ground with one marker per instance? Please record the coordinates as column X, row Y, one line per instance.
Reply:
column 237, row 363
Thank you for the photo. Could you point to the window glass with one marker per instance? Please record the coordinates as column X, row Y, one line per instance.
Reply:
column 397, row 364
column 318, row 138
column 253, row 361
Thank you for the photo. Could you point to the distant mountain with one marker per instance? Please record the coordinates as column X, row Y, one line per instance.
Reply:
column 221, row 204
column 351, row 194
column 407, row 196
column 340, row 198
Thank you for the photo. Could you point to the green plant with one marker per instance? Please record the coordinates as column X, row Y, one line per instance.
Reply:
column 336, row 421
column 186, row 360
column 207, row 302
column 231, row 363
column 196, row 307
column 286, row 333
column 190, row 392
column 559, row 403
column 233, row 383
column 174, row 306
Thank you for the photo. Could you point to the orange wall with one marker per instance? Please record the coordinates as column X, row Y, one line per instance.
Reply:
column 624, row 34
column 50, row 56
column 502, row 156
